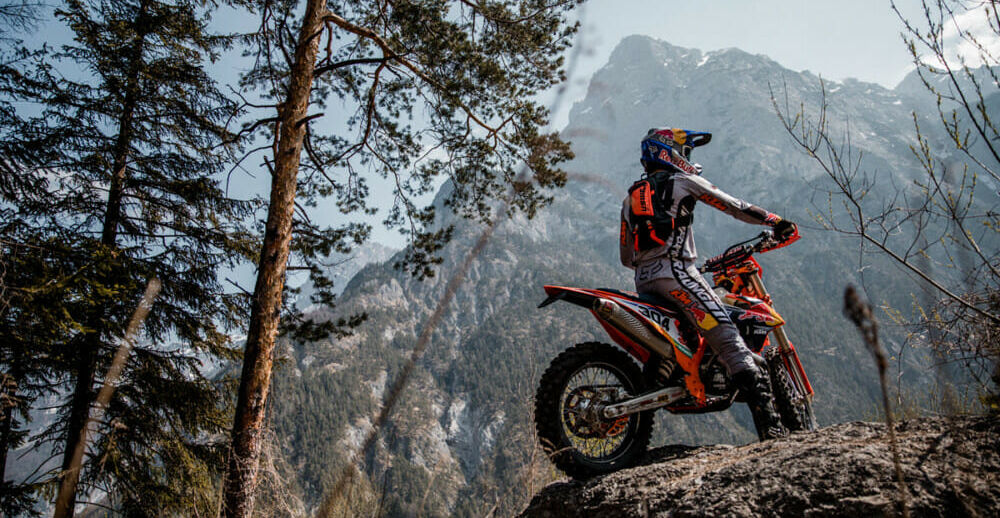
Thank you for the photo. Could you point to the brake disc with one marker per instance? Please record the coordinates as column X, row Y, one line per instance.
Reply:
column 583, row 418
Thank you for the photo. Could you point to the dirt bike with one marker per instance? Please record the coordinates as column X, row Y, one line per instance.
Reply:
column 595, row 402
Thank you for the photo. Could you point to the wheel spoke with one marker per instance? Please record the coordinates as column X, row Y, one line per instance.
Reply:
column 588, row 434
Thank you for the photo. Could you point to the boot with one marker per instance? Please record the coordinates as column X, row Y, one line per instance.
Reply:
column 756, row 388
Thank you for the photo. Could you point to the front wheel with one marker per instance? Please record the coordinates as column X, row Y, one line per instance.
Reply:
column 795, row 409
column 572, row 390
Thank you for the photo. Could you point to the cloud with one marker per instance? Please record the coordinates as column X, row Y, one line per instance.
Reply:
column 970, row 37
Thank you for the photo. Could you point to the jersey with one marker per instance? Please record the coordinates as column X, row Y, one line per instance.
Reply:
column 684, row 190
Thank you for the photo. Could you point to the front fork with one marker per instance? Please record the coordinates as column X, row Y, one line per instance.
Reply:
column 791, row 358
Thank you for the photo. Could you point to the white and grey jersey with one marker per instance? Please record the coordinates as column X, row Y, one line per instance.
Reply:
column 685, row 190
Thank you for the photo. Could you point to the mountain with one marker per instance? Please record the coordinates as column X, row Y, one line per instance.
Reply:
column 950, row 467
column 341, row 268
column 461, row 441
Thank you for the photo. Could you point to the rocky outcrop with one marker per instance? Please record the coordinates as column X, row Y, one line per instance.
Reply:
column 951, row 468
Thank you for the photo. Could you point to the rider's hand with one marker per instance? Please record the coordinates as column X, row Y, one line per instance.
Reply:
column 785, row 229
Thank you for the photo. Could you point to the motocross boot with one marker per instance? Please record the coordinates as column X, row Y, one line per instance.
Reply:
column 756, row 388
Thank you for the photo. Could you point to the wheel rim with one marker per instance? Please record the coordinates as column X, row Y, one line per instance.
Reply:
column 598, row 440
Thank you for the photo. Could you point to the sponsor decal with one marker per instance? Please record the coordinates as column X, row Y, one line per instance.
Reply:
column 705, row 321
column 683, row 165
column 641, row 201
column 713, row 201
column 667, row 325
column 650, row 313
column 605, row 309
column 772, row 218
column 647, row 272
column 682, row 296
column 666, row 136
column 761, row 314
column 753, row 315
column 624, row 233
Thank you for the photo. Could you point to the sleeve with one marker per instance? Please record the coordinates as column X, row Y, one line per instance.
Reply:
column 705, row 192
column 626, row 250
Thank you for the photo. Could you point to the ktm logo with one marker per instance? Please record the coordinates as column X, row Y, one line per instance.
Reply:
column 682, row 296
column 713, row 201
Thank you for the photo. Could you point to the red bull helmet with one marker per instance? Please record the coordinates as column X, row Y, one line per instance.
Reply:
column 671, row 148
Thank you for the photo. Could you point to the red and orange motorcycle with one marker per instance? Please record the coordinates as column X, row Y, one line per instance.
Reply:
column 595, row 403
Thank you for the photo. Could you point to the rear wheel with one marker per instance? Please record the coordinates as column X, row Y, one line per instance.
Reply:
column 577, row 383
column 795, row 409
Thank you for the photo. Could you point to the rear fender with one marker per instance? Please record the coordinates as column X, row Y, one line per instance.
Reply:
column 585, row 298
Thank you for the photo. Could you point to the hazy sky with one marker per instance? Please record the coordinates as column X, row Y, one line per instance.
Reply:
column 835, row 39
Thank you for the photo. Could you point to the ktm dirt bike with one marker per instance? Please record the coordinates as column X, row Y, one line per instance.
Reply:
column 595, row 402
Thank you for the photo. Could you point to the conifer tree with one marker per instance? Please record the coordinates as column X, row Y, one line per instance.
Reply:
column 438, row 88
column 24, row 274
column 127, row 188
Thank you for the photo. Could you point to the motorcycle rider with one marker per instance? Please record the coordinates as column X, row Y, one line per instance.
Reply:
column 658, row 243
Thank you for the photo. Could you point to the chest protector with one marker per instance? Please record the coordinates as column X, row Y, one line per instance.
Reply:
column 649, row 200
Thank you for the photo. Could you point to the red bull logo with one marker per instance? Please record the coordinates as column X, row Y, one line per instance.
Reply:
column 669, row 134
column 704, row 320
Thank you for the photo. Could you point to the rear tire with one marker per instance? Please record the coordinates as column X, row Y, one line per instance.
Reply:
column 565, row 436
column 796, row 411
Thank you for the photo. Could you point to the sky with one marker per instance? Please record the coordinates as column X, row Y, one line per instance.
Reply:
column 834, row 39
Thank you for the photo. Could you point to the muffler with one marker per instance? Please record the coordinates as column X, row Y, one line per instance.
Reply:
column 612, row 313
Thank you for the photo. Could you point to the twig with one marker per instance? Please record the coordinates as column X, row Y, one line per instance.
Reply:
column 861, row 314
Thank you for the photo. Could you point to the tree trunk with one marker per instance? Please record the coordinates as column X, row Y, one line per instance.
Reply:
column 90, row 343
column 255, row 381
column 7, row 394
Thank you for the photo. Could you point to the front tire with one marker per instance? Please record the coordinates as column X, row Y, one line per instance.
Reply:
column 578, row 443
column 795, row 409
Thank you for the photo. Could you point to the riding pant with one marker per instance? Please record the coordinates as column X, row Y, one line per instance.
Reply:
column 702, row 309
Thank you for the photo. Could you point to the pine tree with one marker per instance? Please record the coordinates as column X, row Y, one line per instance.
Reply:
column 439, row 88
column 27, row 370
column 131, row 192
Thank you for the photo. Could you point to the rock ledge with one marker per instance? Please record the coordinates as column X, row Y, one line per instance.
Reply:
column 951, row 467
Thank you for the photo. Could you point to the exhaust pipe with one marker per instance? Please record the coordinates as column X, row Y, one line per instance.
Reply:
column 612, row 313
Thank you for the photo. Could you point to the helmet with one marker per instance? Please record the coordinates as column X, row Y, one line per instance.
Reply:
column 671, row 148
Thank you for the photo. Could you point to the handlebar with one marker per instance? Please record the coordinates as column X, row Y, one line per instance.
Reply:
column 742, row 251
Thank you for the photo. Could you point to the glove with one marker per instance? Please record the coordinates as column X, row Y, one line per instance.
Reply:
column 785, row 229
